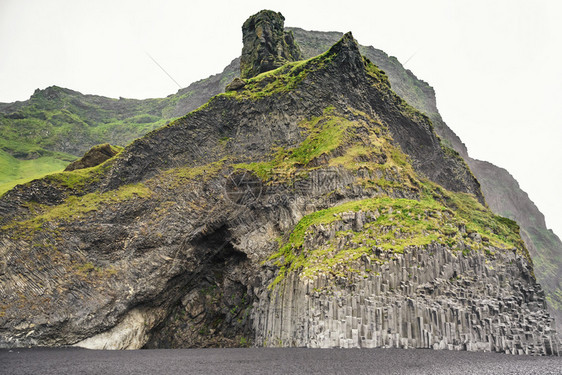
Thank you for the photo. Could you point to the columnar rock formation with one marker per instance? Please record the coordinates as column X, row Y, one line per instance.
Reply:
column 74, row 120
column 501, row 189
column 427, row 297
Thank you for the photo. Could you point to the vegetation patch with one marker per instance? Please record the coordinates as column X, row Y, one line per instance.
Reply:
column 75, row 208
column 182, row 175
column 15, row 171
column 324, row 134
column 87, row 271
column 377, row 75
column 456, row 220
column 335, row 141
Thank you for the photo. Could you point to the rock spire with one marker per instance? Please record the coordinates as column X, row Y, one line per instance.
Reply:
column 266, row 44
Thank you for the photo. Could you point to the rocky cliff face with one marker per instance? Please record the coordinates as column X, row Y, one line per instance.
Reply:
column 501, row 190
column 426, row 297
column 266, row 44
column 315, row 173
column 505, row 197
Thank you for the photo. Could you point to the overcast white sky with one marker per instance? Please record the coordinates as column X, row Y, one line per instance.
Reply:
column 496, row 65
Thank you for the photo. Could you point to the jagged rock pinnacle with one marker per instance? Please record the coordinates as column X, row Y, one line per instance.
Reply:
column 348, row 54
column 266, row 45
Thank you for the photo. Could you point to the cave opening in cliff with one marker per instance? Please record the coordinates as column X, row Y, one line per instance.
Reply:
column 217, row 247
column 213, row 308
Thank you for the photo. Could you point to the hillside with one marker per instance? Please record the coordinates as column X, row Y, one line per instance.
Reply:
column 309, row 205
column 56, row 125
column 500, row 189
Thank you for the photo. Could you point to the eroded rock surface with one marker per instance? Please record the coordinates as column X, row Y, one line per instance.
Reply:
column 95, row 156
column 175, row 241
column 266, row 44
column 430, row 297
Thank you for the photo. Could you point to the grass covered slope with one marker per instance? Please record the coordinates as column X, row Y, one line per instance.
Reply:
column 63, row 120
column 455, row 220
column 46, row 132
column 56, row 125
column 14, row 171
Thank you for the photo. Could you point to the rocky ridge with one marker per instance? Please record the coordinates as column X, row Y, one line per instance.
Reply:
column 500, row 189
column 120, row 121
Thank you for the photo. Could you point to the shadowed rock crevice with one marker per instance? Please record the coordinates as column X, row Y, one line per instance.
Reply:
column 214, row 308
column 216, row 248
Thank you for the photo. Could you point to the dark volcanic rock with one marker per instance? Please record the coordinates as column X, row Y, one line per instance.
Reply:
column 235, row 85
column 179, row 240
column 266, row 44
column 83, row 113
column 423, row 298
column 500, row 189
column 95, row 156
column 505, row 197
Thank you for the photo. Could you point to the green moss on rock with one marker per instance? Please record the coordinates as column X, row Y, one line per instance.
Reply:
column 456, row 220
